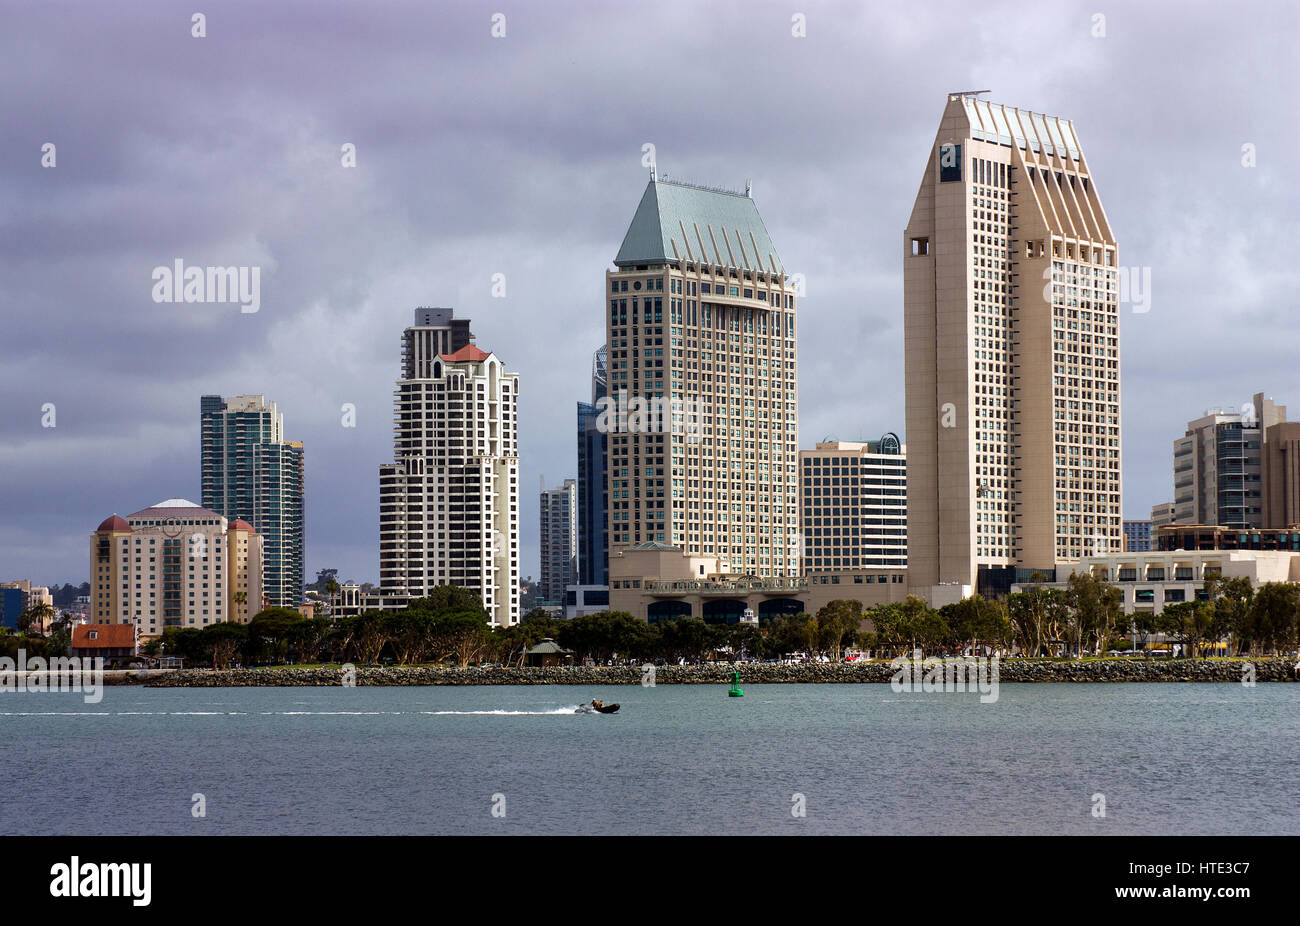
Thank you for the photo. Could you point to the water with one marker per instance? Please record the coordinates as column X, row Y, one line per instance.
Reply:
column 1169, row 758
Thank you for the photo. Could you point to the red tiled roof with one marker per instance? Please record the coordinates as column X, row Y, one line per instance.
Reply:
column 239, row 524
column 468, row 352
column 107, row 636
column 114, row 523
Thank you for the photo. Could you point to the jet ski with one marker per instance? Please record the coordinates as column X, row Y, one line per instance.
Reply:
column 597, row 707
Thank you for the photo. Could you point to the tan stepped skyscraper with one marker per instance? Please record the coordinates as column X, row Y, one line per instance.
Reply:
column 1011, row 340
column 703, row 432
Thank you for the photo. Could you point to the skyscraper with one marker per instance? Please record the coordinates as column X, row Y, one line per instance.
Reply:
column 703, row 445
column 449, row 505
column 250, row 471
column 1011, row 343
column 559, row 540
column 593, row 526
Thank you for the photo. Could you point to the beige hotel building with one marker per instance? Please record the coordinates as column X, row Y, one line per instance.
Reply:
column 700, row 318
column 174, row 564
column 1011, row 341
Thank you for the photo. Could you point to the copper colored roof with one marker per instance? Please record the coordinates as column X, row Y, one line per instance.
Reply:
column 468, row 352
column 239, row 524
column 115, row 523
column 107, row 636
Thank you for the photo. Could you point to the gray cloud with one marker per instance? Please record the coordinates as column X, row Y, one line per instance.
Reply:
column 522, row 156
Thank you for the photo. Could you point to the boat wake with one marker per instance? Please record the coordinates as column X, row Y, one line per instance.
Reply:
column 561, row 710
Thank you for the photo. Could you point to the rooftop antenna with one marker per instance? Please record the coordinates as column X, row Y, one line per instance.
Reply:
column 652, row 173
column 749, row 189
column 969, row 92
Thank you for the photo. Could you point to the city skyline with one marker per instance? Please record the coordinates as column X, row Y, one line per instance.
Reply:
column 344, row 258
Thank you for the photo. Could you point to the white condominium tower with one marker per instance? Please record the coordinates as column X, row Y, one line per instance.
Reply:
column 449, row 505
column 1011, row 343
column 700, row 328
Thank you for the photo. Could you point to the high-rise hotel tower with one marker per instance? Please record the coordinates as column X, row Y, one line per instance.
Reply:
column 1011, row 341
column 701, row 333
column 449, row 505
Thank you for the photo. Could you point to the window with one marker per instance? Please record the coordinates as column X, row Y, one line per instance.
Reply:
column 920, row 247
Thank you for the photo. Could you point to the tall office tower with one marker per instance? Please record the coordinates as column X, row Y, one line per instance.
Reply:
column 853, row 508
column 559, row 540
column 593, row 527
column 1011, row 351
column 1219, row 466
column 703, row 451
column 449, row 505
column 251, row 472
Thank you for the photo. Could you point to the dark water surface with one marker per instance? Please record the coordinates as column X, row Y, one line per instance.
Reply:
column 1169, row 758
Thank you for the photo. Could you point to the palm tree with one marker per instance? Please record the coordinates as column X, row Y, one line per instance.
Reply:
column 38, row 614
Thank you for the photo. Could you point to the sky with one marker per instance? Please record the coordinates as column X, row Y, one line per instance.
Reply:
column 521, row 153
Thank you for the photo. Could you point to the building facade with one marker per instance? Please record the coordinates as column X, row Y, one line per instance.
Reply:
column 1154, row 579
column 1162, row 514
column 700, row 330
column 1281, row 455
column 1137, row 536
column 593, row 501
column 654, row 581
column 250, row 472
column 853, row 505
column 1174, row 537
column 1219, row 466
column 174, row 564
column 449, row 504
column 1011, row 353
column 558, row 540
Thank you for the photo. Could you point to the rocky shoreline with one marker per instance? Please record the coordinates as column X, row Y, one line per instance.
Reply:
column 1015, row 670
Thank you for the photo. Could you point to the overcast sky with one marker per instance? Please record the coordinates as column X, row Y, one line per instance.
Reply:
column 522, row 155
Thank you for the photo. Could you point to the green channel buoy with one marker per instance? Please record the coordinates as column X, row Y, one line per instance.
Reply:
column 734, row 691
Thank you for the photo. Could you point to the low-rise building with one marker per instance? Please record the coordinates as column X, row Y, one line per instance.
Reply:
column 108, row 641
column 1212, row 537
column 656, row 581
column 1154, row 579
column 585, row 599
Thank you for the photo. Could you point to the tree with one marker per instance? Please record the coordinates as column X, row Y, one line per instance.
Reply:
column 372, row 629
column 222, row 641
column 790, row 633
column 976, row 618
column 1095, row 607
column 1232, row 599
column 837, row 624
column 269, row 634
column 38, row 615
column 309, row 637
column 1275, row 615
column 1176, row 619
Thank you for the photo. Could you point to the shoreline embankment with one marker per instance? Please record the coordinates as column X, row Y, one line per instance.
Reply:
column 1276, row 669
